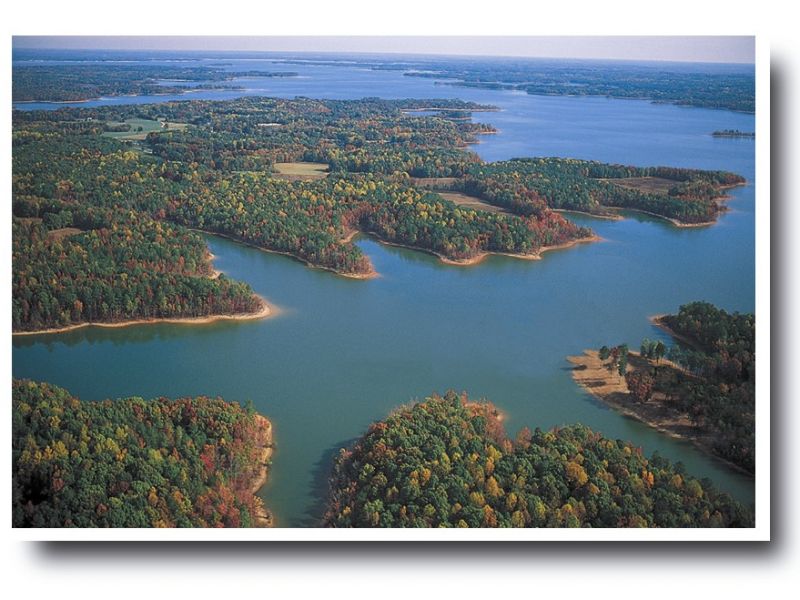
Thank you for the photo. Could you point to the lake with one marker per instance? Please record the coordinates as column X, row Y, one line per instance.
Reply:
column 343, row 353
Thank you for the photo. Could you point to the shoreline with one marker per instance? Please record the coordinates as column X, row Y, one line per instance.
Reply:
column 267, row 310
column 671, row 220
column 657, row 321
column 372, row 274
column 478, row 258
column 722, row 209
column 263, row 516
column 448, row 261
column 443, row 108
column 588, row 214
column 593, row 376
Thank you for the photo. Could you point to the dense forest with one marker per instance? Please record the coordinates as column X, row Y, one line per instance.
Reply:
column 447, row 462
column 100, row 223
column 94, row 268
column 686, row 195
column 191, row 462
column 721, row 398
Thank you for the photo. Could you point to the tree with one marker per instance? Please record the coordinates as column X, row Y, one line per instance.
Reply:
column 623, row 364
column 640, row 384
column 659, row 351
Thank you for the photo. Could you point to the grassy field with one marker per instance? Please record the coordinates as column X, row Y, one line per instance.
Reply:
column 472, row 202
column 59, row 234
column 435, row 183
column 650, row 185
column 146, row 125
column 301, row 170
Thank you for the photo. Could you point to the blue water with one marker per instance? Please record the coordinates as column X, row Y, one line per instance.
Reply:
column 343, row 353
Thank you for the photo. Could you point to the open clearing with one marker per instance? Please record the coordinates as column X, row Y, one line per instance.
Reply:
column 435, row 183
column 59, row 234
column 140, row 128
column 472, row 202
column 651, row 185
column 300, row 171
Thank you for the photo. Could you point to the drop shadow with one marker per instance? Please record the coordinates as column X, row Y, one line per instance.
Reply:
column 782, row 276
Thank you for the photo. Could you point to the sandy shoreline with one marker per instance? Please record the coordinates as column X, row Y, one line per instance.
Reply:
column 448, row 261
column 372, row 274
column 447, row 108
column 263, row 517
column 593, row 375
column 674, row 222
column 588, row 214
column 478, row 258
column 266, row 310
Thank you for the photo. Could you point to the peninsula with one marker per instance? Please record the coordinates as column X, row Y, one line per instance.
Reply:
column 704, row 392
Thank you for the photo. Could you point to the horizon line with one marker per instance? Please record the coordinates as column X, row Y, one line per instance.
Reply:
column 607, row 53
column 400, row 53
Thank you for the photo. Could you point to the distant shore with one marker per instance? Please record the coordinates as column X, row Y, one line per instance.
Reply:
column 55, row 101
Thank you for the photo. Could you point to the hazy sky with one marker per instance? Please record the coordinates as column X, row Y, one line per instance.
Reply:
column 730, row 49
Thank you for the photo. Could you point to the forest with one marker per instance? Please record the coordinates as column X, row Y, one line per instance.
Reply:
column 101, row 224
column 190, row 462
column 721, row 352
column 447, row 462
column 689, row 196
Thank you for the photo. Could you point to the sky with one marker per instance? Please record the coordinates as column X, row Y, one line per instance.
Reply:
column 723, row 49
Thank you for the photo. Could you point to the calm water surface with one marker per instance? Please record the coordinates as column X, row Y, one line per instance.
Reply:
column 344, row 353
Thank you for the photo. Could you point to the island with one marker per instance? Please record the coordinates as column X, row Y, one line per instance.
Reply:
column 447, row 462
column 108, row 202
column 702, row 391
column 190, row 462
column 733, row 133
